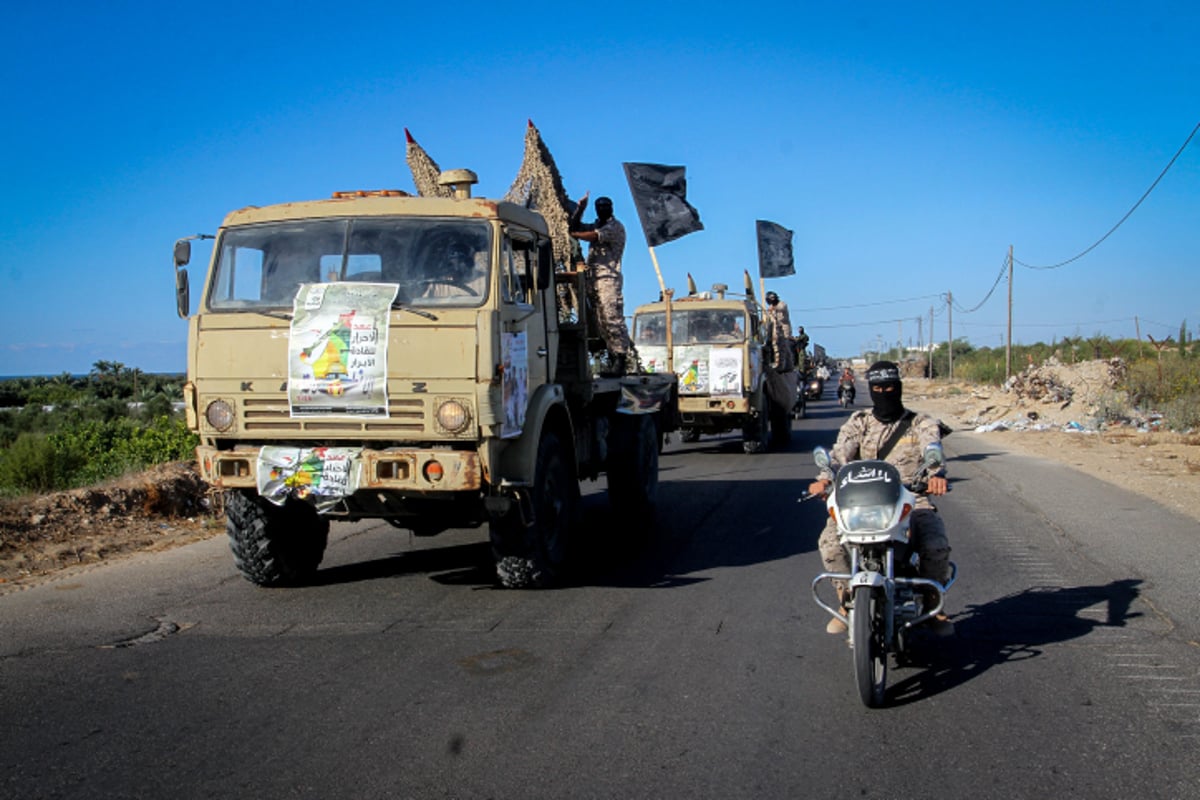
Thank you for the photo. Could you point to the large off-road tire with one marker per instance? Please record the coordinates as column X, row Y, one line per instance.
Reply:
column 633, row 466
column 866, row 638
column 756, row 432
column 534, row 555
column 274, row 545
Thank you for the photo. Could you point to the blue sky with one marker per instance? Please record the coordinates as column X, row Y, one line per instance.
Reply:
column 907, row 145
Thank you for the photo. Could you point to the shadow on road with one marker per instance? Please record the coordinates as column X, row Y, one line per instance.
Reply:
column 1011, row 628
column 700, row 525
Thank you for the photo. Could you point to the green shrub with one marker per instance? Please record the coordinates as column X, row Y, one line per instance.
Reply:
column 33, row 464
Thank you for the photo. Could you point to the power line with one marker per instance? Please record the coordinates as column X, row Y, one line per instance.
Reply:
column 1127, row 214
column 1003, row 269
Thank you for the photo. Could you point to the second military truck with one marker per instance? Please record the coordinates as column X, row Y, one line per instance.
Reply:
column 713, row 343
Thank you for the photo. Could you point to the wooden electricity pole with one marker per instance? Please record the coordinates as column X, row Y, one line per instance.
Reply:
column 931, row 339
column 1008, row 344
column 950, row 326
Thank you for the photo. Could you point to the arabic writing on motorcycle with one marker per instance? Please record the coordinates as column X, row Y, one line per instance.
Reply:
column 867, row 475
column 321, row 475
column 337, row 350
column 514, row 352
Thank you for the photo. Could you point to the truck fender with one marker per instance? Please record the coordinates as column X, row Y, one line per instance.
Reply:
column 519, row 459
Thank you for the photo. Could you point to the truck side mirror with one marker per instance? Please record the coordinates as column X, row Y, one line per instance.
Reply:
column 183, row 252
column 182, row 292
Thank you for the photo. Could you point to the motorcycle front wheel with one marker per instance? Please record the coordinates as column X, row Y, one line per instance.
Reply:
column 870, row 652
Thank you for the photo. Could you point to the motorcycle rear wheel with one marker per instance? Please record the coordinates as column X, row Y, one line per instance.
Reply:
column 870, row 654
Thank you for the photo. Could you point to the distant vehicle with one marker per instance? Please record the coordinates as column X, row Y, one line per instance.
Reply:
column 714, row 345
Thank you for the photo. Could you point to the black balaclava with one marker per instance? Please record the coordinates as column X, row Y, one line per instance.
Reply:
column 604, row 210
column 889, row 406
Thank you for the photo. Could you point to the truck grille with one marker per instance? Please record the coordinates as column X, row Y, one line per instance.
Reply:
column 405, row 415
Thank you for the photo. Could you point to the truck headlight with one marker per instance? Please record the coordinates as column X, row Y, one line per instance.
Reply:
column 220, row 415
column 453, row 416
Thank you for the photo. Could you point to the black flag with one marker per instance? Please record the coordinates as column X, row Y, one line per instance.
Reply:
column 660, row 195
column 774, row 250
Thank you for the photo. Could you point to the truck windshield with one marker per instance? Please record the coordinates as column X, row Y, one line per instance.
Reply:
column 434, row 261
column 696, row 326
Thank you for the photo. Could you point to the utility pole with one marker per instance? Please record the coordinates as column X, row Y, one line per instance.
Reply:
column 931, row 338
column 1008, row 345
column 1137, row 326
column 950, row 325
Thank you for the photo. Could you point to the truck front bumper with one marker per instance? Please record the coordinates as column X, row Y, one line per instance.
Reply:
column 713, row 405
column 398, row 468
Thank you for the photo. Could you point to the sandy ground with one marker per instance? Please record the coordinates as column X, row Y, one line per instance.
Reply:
column 1158, row 464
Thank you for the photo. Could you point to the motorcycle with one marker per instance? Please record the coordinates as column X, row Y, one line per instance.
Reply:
column 845, row 393
column 885, row 599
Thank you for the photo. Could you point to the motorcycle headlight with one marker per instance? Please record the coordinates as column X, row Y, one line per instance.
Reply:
column 865, row 519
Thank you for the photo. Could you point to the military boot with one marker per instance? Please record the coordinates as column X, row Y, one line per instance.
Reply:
column 836, row 626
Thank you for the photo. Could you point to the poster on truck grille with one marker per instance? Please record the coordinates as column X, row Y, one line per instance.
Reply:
column 337, row 350
column 320, row 475
column 725, row 370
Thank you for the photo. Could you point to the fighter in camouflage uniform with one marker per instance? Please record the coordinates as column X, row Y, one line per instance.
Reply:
column 606, row 245
column 778, row 332
column 861, row 437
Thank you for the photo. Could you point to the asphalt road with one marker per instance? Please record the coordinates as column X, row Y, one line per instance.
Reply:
column 688, row 664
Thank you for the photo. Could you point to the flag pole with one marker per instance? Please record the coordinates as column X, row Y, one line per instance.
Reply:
column 662, row 287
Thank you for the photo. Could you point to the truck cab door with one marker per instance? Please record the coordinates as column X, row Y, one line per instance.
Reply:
column 522, row 315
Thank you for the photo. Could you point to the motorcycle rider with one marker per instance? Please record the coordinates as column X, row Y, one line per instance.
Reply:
column 862, row 436
column 846, row 384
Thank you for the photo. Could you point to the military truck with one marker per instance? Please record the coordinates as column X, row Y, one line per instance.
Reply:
column 713, row 343
column 420, row 360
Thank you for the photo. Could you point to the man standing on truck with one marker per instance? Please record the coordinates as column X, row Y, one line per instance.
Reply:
column 606, row 245
column 779, row 333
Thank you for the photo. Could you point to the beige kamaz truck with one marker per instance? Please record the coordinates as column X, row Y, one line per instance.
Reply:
column 419, row 360
column 713, row 343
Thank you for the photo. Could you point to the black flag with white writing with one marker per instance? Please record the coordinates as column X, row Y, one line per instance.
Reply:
column 774, row 250
column 660, row 195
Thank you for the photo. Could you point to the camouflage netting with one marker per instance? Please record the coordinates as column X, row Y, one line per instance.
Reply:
column 539, row 186
column 425, row 170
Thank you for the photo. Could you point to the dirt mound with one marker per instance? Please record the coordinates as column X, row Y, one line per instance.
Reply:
column 163, row 507
column 1047, row 396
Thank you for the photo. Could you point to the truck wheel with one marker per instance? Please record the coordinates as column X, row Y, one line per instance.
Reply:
column 274, row 545
column 756, row 432
column 533, row 555
column 632, row 465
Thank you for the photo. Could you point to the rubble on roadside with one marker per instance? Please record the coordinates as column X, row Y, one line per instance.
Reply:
column 1052, row 396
